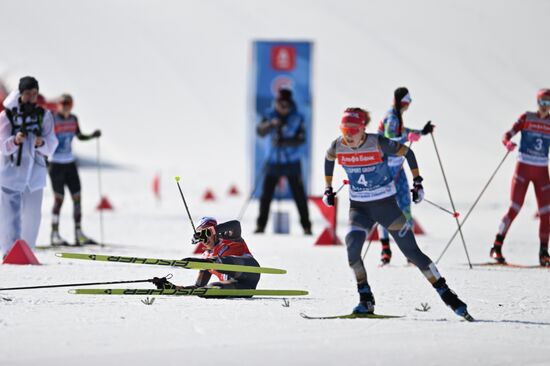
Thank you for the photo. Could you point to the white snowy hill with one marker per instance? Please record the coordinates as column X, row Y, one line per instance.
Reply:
column 167, row 82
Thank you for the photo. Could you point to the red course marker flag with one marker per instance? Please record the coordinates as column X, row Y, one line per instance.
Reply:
column 20, row 253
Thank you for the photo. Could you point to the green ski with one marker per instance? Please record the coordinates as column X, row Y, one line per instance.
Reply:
column 189, row 264
column 200, row 291
column 353, row 316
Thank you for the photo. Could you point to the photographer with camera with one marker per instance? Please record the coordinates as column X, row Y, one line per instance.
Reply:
column 26, row 139
column 284, row 125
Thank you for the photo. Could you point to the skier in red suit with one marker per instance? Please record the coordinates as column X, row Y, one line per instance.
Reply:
column 532, row 166
column 224, row 244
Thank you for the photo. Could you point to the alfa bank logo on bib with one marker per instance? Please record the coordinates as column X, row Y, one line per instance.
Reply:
column 538, row 127
column 283, row 58
column 359, row 159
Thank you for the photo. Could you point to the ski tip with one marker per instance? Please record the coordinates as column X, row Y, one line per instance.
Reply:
column 178, row 178
column 60, row 255
column 72, row 292
column 267, row 270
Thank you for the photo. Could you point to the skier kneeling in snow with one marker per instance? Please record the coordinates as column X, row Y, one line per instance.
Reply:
column 225, row 245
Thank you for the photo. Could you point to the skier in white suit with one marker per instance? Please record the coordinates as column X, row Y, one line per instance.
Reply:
column 27, row 138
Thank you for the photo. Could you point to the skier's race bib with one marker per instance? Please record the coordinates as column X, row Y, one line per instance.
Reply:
column 65, row 131
column 369, row 183
column 538, row 127
column 367, row 171
column 535, row 142
column 365, row 158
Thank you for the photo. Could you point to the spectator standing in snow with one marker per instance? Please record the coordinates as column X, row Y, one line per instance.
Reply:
column 26, row 138
column 284, row 126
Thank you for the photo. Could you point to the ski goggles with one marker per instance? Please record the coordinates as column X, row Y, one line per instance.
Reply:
column 350, row 130
column 544, row 102
column 406, row 99
column 206, row 232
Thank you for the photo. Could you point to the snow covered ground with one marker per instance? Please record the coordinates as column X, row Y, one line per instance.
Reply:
column 52, row 327
column 167, row 84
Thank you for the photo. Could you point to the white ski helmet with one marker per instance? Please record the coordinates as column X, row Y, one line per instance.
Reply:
column 207, row 222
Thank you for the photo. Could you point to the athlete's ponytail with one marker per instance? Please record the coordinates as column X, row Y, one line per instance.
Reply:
column 398, row 100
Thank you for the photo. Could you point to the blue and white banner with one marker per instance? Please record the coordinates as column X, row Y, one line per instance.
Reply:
column 277, row 65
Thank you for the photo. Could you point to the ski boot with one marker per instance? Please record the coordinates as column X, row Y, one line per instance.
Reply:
column 56, row 239
column 544, row 258
column 451, row 299
column 366, row 300
column 385, row 255
column 496, row 254
column 259, row 230
column 81, row 239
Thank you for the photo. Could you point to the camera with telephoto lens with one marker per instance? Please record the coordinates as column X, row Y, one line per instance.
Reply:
column 278, row 138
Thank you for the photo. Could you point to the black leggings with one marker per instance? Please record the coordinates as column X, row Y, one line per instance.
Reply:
column 387, row 213
column 295, row 181
column 243, row 280
column 62, row 175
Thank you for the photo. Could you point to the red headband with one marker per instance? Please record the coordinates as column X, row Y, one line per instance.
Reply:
column 355, row 117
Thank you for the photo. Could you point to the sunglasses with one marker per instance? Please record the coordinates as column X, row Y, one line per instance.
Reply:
column 544, row 103
column 66, row 103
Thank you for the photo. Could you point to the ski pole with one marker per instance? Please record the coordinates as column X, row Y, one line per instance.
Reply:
column 455, row 214
column 185, row 203
column 473, row 206
column 344, row 182
column 100, row 189
column 451, row 200
column 374, row 227
column 79, row 284
column 255, row 188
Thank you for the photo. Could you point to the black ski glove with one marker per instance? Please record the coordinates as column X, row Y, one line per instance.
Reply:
column 428, row 128
column 328, row 197
column 163, row 284
column 96, row 134
column 418, row 190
